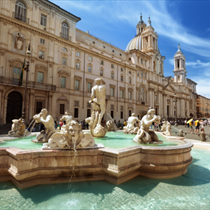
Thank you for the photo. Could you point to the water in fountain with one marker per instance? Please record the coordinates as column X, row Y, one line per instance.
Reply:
column 30, row 128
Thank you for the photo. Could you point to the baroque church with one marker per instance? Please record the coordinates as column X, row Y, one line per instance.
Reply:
column 65, row 61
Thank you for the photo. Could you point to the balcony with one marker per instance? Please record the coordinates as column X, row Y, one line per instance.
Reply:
column 65, row 36
column 20, row 17
column 31, row 84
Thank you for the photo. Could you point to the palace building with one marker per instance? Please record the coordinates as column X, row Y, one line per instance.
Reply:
column 65, row 61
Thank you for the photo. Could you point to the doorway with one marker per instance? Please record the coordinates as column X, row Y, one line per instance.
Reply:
column 14, row 106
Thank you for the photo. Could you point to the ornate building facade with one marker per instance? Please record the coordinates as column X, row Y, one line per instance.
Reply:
column 65, row 61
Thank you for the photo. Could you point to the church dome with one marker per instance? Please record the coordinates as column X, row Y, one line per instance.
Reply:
column 134, row 44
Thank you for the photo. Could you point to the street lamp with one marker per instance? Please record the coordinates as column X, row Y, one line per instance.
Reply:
column 28, row 52
column 175, row 100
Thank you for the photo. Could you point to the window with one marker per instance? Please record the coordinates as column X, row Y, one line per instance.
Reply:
column 145, row 75
column 88, row 112
column 129, row 95
column 65, row 31
column 63, row 82
column 76, row 84
column 76, row 103
column 104, row 47
column 93, row 42
column 141, row 61
column 112, row 92
column 112, row 114
column 121, row 69
column 39, row 106
column 142, row 94
column 62, row 108
column 129, row 113
column 78, row 54
column 112, row 66
column 129, row 80
column 138, row 95
column 76, row 112
column 121, row 78
column 121, row 115
column 121, row 93
column 43, row 20
column 20, row 11
column 16, row 73
column 41, row 55
column 101, row 72
column 112, row 75
column 90, row 69
column 42, row 41
column 112, row 106
column 40, row 77
column 138, row 59
column 129, row 59
column 64, row 49
column 89, row 87
column 137, row 72
column 129, row 72
column 121, row 107
column 102, row 62
column 112, row 50
column 120, row 54
column 90, row 58
column 77, row 65
column 141, row 73
column 64, row 61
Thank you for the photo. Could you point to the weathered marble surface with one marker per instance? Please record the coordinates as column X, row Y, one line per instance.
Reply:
column 130, row 128
column 18, row 128
column 98, row 105
column 166, row 128
column 48, row 122
column 71, row 137
column 145, row 135
column 27, row 168
column 111, row 126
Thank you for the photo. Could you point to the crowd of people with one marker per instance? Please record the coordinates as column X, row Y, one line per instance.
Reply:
column 196, row 125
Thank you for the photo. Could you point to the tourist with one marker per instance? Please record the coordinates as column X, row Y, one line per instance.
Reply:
column 61, row 124
column 55, row 124
column 191, row 127
column 125, row 123
column 118, row 124
column 197, row 125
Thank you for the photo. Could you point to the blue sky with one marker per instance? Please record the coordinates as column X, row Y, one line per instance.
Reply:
column 184, row 21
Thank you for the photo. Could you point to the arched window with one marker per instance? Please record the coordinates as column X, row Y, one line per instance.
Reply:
column 65, row 31
column 20, row 11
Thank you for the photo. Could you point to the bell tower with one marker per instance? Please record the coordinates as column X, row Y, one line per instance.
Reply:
column 179, row 67
column 140, row 26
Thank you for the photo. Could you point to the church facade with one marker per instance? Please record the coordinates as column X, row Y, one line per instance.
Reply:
column 65, row 61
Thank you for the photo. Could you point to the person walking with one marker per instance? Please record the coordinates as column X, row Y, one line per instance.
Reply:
column 197, row 125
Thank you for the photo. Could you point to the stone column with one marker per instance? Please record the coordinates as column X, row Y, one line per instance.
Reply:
column 172, row 108
column 149, row 41
column 1, row 107
column 50, row 103
column 5, row 109
column 31, row 106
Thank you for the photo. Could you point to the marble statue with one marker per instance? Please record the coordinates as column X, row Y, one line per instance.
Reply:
column 130, row 128
column 98, row 105
column 166, row 128
column 48, row 122
column 145, row 135
column 71, row 137
column 18, row 128
column 111, row 126
column 67, row 118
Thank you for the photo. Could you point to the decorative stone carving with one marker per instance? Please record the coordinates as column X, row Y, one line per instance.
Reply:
column 111, row 126
column 130, row 128
column 16, row 63
column 18, row 128
column 98, row 104
column 71, row 137
column 166, row 128
column 145, row 135
column 19, row 41
column 67, row 118
column 48, row 122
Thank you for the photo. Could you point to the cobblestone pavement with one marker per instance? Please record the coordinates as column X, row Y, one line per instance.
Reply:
column 187, row 134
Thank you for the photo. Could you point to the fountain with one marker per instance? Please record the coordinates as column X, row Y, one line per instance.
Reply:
column 51, row 163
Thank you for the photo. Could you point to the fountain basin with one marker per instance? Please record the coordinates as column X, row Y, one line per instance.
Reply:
column 27, row 168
